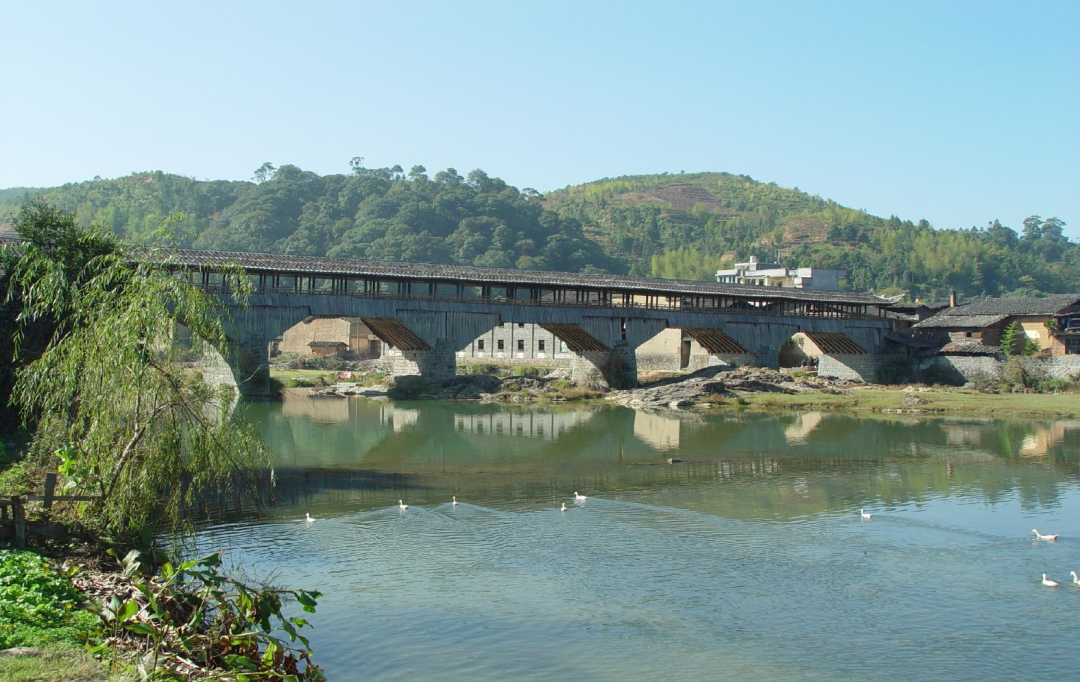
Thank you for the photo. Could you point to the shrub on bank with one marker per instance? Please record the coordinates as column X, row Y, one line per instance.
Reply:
column 409, row 388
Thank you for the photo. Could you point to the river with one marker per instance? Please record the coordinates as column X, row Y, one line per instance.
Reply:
column 746, row 560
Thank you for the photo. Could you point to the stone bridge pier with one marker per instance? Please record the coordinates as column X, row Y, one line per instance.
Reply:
column 426, row 342
column 246, row 365
column 605, row 347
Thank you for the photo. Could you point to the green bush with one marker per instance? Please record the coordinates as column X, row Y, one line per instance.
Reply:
column 485, row 368
column 39, row 605
column 409, row 388
column 894, row 369
column 529, row 371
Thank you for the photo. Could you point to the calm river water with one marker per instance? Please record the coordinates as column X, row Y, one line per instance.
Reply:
column 747, row 560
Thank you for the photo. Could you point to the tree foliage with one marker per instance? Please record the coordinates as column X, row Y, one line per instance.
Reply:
column 660, row 225
column 105, row 391
column 374, row 213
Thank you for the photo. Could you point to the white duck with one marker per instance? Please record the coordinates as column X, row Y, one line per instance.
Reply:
column 454, row 503
column 402, row 506
column 563, row 507
column 579, row 498
column 865, row 515
column 309, row 518
column 1040, row 536
column 1048, row 582
column 1076, row 578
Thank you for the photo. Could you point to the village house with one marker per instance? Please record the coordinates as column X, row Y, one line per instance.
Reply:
column 320, row 336
column 1053, row 322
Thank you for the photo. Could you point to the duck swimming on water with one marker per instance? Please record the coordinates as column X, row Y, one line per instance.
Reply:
column 1048, row 582
column 402, row 506
column 1040, row 536
column 865, row 515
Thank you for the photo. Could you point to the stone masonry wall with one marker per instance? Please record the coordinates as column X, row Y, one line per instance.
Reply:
column 850, row 367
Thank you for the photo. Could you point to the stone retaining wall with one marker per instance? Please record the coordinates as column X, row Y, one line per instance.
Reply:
column 856, row 367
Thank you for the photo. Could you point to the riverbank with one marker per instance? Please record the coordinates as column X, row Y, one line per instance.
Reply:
column 757, row 389
column 917, row 400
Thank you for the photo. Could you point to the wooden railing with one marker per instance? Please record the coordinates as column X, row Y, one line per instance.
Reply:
column 13, row 524
column 677, row 305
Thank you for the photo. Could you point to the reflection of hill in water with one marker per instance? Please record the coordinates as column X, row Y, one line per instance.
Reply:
column 354, row 454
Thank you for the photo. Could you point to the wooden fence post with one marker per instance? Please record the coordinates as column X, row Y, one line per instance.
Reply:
column 18, row 515
column 50, row 488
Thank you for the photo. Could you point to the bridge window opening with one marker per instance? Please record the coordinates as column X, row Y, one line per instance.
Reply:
column 498, row 293
column 622, row 327
column 521, row 325
column 500, row 344
column 480, row 344
column 540, row 344
column 446, row 290
column 521, row 344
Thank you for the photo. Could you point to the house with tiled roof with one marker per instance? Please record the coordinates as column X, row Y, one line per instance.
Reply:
column 976, row 327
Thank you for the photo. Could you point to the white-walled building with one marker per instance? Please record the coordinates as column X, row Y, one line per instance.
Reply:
column 775, row 275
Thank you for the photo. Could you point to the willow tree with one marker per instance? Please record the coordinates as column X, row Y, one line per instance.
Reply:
column 107, row 394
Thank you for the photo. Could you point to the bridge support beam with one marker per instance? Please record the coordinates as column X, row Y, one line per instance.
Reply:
column 604, row 347
column 426, row 343
column 247, row 364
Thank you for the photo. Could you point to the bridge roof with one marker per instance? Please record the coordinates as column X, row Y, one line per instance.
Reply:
column 317, row 266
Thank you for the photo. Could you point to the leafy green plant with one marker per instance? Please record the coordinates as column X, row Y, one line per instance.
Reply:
column 192, row 615
column 38, row 603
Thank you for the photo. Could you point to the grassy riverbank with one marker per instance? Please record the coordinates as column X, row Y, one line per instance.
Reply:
column 929, row 401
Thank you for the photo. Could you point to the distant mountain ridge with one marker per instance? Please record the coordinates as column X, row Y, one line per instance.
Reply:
column 683, row 226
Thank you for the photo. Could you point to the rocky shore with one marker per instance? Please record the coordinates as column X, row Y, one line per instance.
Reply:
column 710, row 385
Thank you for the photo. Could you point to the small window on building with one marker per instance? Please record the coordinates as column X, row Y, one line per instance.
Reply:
column 521, row 344
column 1072, row 346
column 501, row 325
column 540, row 344
column 521, row 325
column 480, row 345
column 500, row 344
column 967, row 335
column 562, row 346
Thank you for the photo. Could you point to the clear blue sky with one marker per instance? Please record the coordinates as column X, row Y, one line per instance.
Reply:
column 957, row 112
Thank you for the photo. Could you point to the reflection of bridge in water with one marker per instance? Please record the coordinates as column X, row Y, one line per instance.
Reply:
column 375, row 447
column 530, row 424
column 429, row 312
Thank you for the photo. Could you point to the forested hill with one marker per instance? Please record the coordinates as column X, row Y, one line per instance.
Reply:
column 688, row 225
column 379, row 214
column 684, row 226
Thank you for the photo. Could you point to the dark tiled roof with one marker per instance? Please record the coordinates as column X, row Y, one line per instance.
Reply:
column 330, row 267
column 968, row 348
column 979, row 314
column 943, row 321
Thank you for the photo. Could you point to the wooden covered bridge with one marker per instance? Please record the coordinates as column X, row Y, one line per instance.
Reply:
column 429, row 312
